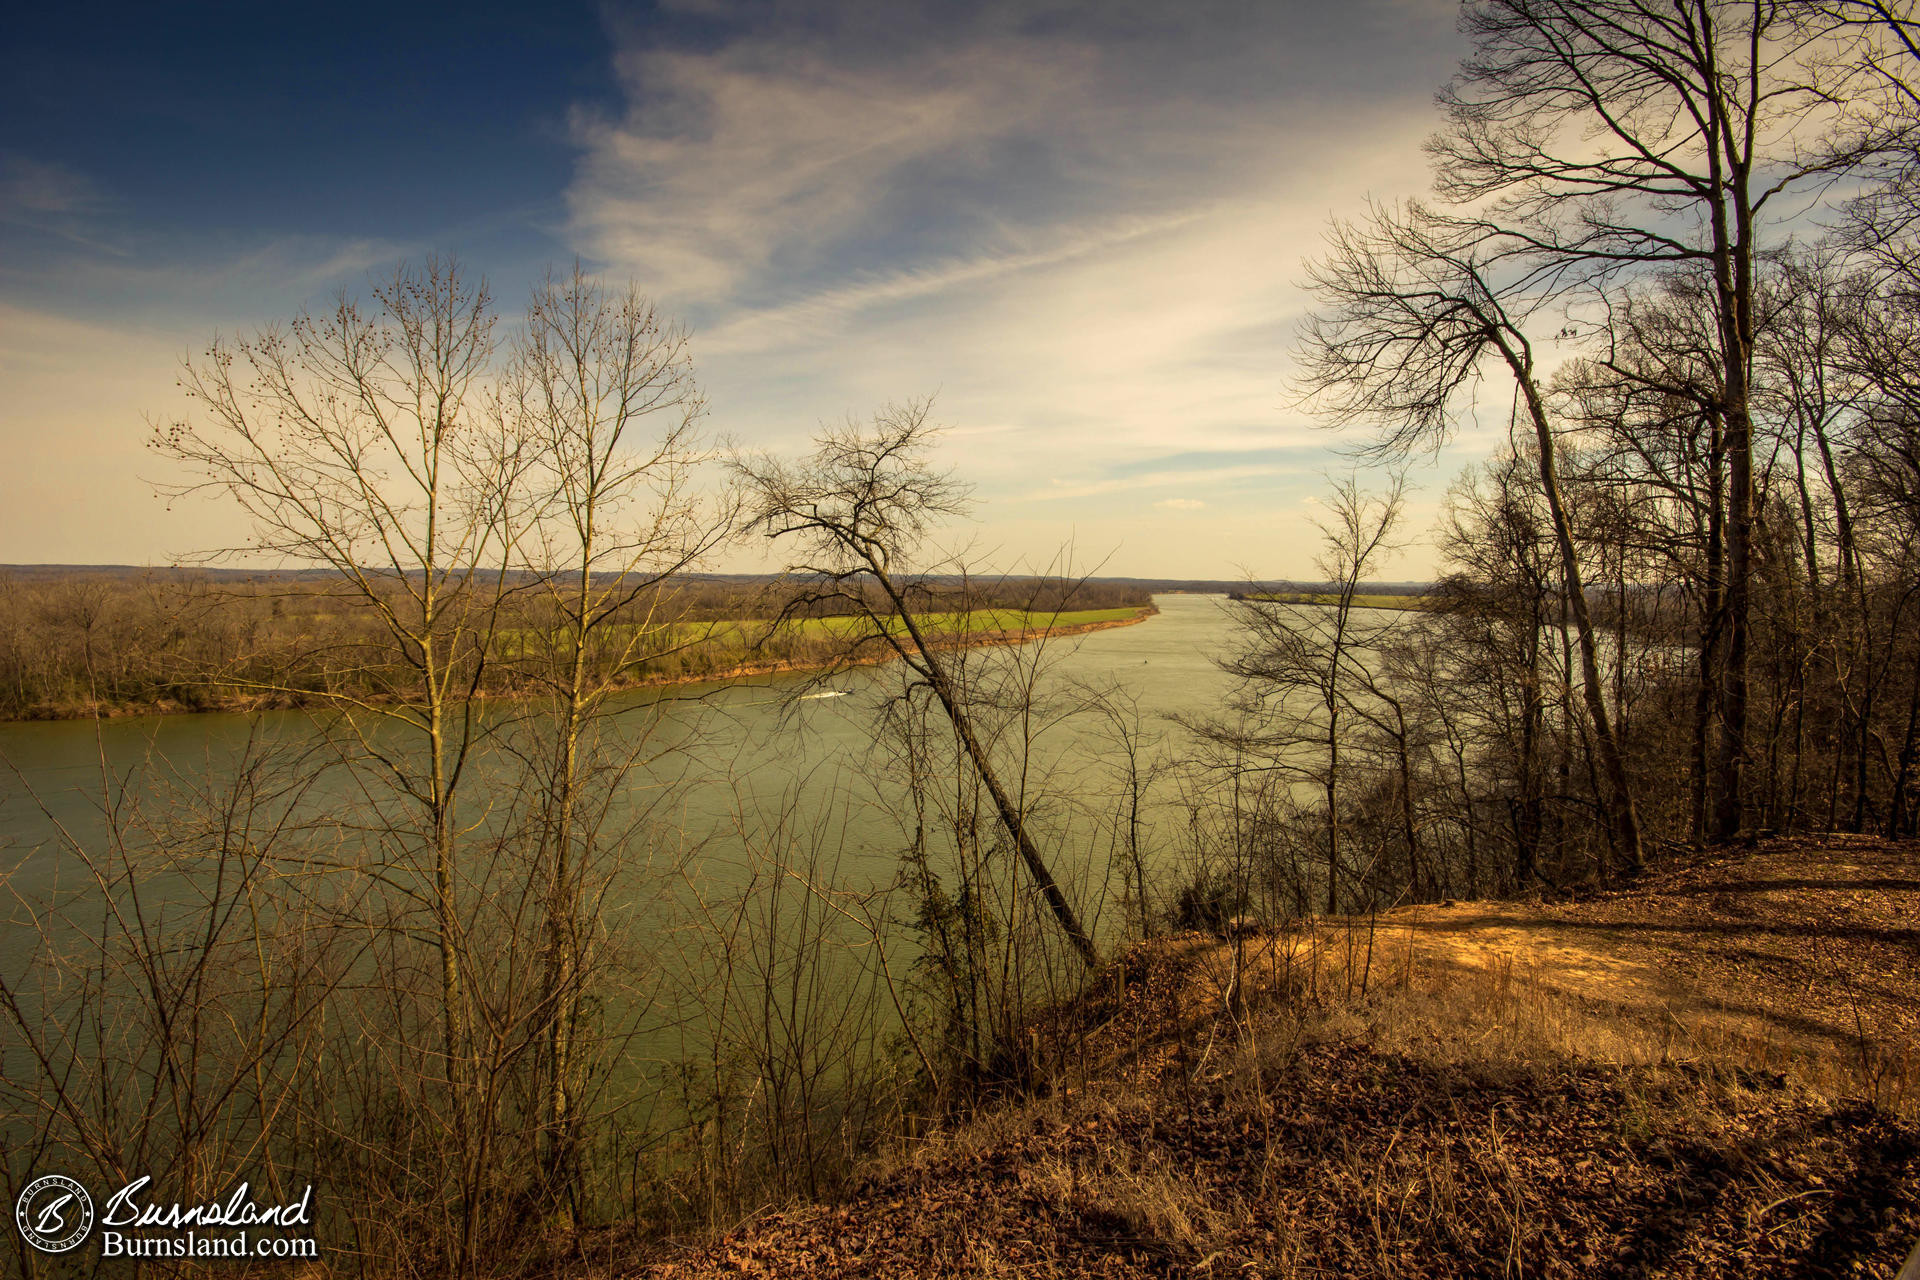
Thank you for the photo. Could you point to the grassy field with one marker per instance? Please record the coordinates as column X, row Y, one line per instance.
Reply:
column 976, row 622
column 700, row 650
column 720, row 647
column 163, row 641
column 1360, row 601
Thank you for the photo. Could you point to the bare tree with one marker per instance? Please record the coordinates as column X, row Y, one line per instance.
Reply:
column 860, row 508
column 1412, row 304
column 1298, row 667
column 166, row 983
column 1601, row 137
column 356, row 441
column 511, row 526
column 1129, row 751
column 605, row 410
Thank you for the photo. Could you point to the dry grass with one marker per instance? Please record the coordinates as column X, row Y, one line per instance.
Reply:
column 1801, row 957
column 1331, row 1157
column 1353, row 1100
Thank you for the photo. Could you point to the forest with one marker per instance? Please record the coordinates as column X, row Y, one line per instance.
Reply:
column 1666, row 279
column 1678, row 607
column 76, row 641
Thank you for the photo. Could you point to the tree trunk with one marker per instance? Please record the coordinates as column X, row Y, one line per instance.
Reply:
column 1624, row 820
column 1712, row 623
column 1729, row 808
column 1010, row 816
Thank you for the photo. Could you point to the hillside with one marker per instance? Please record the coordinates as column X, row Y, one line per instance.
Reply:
column 1710, row 1073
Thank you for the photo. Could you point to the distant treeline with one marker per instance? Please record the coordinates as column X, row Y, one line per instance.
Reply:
column 76, row 640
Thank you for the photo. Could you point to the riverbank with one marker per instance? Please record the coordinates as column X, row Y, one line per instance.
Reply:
column 970, row 640
column 1360, row 601
column 217, row 700
column 1710, row 1073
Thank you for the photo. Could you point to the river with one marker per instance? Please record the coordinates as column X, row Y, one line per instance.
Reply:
column 736, row 753
column 741, row 783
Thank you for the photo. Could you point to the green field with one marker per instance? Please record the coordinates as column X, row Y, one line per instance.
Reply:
column 976, row 622
column 971, row 623
column 1360, row 601
column 696, row 650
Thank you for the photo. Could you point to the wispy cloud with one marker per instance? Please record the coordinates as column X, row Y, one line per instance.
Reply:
column 759, row 158
column 784, row 157
column 1089, row 249
column 31, row 189
column 1060, row 489
column 43, row 203
column 806, row 319
column 189, row 287
column 1078, row 223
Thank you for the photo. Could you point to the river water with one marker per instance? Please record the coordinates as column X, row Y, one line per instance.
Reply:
column 730, row 772
column 731, row 754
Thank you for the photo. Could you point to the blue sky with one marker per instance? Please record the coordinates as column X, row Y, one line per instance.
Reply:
column 1079, row 226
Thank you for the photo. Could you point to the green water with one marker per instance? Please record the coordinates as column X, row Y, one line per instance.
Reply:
column 732, row 771
column 723, row 759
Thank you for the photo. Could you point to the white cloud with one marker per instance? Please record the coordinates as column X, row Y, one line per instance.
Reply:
column 31, row 190
column 1172, row 339
column 1060, row 490
column 1086, row 244
column 1088, row 252
column 806, row 319
column 754, row 158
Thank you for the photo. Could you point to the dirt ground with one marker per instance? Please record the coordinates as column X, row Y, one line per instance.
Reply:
column 1707, row 1073
column 1805, row 950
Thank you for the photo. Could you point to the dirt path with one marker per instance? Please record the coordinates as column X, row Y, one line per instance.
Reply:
column 1810, row 944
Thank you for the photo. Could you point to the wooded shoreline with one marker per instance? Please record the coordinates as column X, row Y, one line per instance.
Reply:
column 229, row 703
